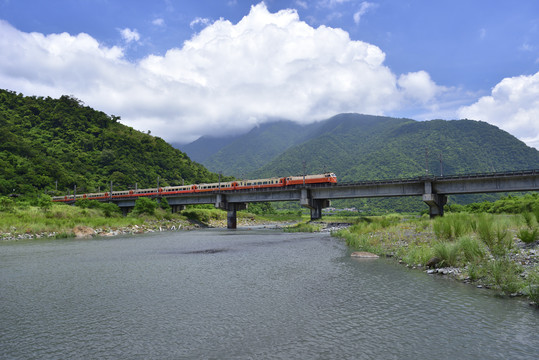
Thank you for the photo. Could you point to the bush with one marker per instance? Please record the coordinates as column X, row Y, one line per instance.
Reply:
column 145, row 205
column 163, row 204
column 110, row 209
column 44, row 202
column 6, row 204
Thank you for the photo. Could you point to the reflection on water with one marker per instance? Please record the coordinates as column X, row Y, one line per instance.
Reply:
column 242, row 294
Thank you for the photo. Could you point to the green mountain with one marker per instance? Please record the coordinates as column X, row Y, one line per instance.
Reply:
column 50, row 143
column 242, row 155
column 362, row 147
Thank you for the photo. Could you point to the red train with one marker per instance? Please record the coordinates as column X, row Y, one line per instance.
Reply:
column 198, row 188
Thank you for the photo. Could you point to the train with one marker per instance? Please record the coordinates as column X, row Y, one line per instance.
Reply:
column 277, row 182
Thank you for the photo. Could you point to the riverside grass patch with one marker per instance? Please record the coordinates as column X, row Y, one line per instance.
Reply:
column 480, row 244
column 303, row 227
column 58, row 218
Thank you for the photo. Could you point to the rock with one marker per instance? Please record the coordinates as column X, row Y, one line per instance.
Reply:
column 364, row 255
column 433, row 262
column 83, row 232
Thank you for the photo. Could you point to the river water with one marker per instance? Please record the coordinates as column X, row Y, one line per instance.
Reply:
column 245, row 294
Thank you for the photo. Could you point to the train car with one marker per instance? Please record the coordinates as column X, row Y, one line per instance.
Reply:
column 311, row 179
column 184, row 189
column 195, row 188
column 260, row 183
column 214, row 186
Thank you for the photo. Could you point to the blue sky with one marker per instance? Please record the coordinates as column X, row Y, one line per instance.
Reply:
column 183, row 69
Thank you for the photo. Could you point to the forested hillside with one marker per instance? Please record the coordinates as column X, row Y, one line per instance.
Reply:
column 363, row 147
column 47, row 143
column 246, row 153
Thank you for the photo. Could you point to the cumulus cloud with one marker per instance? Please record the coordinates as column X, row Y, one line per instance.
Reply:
column 513, row 106
column 129, row 35
column 226, row 78
column 418, row 86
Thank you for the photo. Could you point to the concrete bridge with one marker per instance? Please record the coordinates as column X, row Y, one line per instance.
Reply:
column 433, row 190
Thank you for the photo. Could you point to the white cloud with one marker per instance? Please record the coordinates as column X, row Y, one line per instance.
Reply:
column 159, row 22
column 225, row 78
column 418, row 86
column 362, row 10
column 199, row 21
column 129, row 35
column 512, row 106
column 302, row 4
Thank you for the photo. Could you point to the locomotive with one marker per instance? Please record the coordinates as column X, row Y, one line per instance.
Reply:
column 199, row 188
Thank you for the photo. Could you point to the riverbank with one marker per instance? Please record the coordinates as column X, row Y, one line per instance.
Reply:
column 486, row 251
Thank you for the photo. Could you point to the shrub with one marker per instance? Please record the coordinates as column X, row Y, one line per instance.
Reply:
column 6, row 204
column 163, row 204
column 110, row 209
column 144, row 205
column 44, row 202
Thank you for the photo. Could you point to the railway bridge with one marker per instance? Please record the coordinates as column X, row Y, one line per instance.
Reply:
column 433, row 190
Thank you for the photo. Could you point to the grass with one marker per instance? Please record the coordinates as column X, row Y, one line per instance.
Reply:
column 303, row 227
column 480, row 244
column 60, row 219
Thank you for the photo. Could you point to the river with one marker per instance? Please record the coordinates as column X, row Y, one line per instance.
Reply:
column 245, row 294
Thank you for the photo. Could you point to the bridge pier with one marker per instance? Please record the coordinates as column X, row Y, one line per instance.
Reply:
column 435, row 202
column 177, row 208
column 231, row 210
column 316, row 205
column 231, row 214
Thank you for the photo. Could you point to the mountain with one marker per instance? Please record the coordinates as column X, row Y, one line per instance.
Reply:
column 50, row 143
column 363, row 147
column 243, row 154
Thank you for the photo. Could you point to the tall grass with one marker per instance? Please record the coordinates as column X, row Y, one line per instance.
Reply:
column 504, row 275
column 452, row 226
column 447, row 252
column 472, row 250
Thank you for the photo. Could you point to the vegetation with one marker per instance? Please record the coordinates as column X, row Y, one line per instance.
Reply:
column 28, row 218
column 50, row 144
column 362, row 147
column 486, row 247
column 303, row 227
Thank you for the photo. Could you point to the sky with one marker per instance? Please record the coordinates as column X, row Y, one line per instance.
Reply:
column 183, row 69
